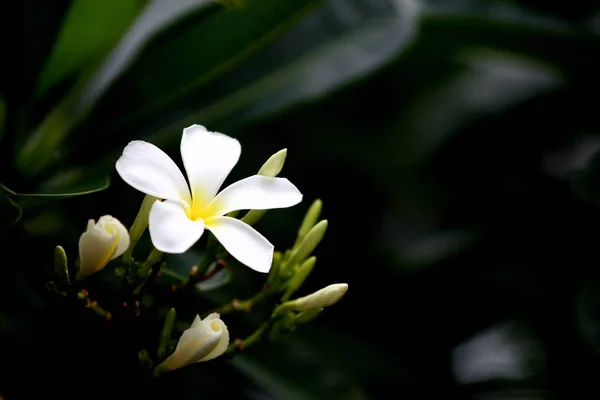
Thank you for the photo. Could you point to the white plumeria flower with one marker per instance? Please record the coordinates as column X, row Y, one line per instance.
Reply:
column 103, row 241
column 204, row 340
column 176, row 223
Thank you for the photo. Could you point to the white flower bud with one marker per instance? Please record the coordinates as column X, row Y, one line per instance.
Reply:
column 321, row 298
column 101, row 242
column 204, row 340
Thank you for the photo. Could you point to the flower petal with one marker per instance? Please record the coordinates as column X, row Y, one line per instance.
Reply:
column 194, row 344
column 241, row 241
column 170, row 228
column 150, row 170
column 197, row 321
column 217, row 325
column 111, row 224
column 255, row 193
column 208, row 158
column 96, row 248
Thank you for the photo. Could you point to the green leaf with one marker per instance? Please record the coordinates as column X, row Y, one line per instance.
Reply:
column 205, row 51
column 194, row 55
column 326, row 50
column 89, row 31
column 219, row 279
column 66, row 184
column 10, row 212
column 85, row 38
column 43, row 146
column 319, row 364
column 186, row 59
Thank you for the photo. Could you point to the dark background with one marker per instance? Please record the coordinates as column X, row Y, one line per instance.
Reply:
column 454, row 145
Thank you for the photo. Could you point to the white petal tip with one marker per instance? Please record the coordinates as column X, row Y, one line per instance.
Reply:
column 264, row 266
column 194, row 127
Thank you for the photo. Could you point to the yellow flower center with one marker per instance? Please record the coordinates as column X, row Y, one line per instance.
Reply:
column 111, row 230
column 199, row 210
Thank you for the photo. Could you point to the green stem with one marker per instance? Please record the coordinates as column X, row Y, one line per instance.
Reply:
column 256, row 337
column 173, row 274
column 204, row 266
column 139, row 226
column 166, row 333
column 153, row 258
column 198, row 275
column 93, row 305
column 239, row 305
column 145, row 270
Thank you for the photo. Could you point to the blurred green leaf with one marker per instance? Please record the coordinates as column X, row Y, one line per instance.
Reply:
column 203, row 51
column 338, row 43
column 87, row 35
column 189, row 56
column 89, row 31
column 69, row 183
column 219, row 279
column 43, row 145
column 74, row 182
column 10, row 212
column 318, row 364
column 183, row 59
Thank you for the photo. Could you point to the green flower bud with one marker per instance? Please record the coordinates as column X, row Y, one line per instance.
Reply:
column 61, row 266
column 302, row 272
column 307, row 316
column 139, row 226
column 272, row 167
column 325, row 297
column 310, row 219
column 308, row 244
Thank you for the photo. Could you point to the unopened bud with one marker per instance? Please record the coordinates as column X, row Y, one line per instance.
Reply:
column 307, row 316
column 310, row 219
column 272, row 167
column 325, row 297
column 61, row 266
column 308, row 244
column 101, row 242
column 300, row 275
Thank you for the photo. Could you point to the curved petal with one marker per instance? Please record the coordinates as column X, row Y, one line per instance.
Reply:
column 241, row 241
column 208, row 158
column 197, row 321
column 170, row 229
column 194, row 344
column 255, row 193
column 150, row 170
column 217, row 325
column 96, row 248
column 113, row 226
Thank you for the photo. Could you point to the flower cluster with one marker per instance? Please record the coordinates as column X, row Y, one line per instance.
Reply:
column 177, row 211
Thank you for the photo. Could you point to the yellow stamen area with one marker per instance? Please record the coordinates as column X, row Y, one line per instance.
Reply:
column 111, row 250
column 199, row 209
